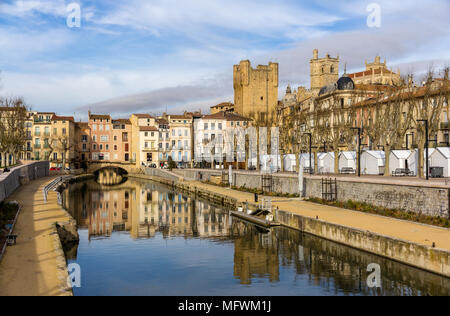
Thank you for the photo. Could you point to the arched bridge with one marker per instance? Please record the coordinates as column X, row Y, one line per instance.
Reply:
column 122, row 168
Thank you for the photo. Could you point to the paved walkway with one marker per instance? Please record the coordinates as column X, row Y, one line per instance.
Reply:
column 34, row 266
column 408, row 231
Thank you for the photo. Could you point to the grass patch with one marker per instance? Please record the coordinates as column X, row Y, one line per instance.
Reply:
column 394, row 213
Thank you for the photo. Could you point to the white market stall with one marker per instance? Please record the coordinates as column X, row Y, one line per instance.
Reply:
column 441, row 158
column 402, row 159
column 304, row 161
column 373, row 162
column 290, row 163
column 347, row 159
column 326, row 162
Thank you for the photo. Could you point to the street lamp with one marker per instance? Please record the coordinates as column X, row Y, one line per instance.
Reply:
column 359, row 149
column 426, row 147
column 310, row 152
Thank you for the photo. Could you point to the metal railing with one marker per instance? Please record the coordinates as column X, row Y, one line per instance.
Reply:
column 52, row 186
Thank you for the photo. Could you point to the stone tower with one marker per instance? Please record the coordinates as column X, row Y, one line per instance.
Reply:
column 255, row 90
column 324, row 71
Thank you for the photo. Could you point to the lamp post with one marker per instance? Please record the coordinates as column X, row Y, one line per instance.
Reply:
column 426, row 147
column 310, row 151
column 359, row 149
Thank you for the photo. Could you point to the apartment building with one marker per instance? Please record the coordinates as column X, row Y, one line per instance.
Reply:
column 211, row 138
column 164, row 141
column 148, row 146
column 62, row 144
column 41, row 135
column 181, row 138
column 101, row 131
column 138, row 121
column 121, row 140
column 83, row 138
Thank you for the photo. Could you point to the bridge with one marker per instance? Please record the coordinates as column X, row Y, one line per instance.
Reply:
column 120, row 168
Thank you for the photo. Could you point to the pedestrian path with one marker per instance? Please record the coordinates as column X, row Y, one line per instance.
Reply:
column 35, row 266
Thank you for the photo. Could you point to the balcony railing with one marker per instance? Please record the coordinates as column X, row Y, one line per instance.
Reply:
column 37, row 146
column 37, row 133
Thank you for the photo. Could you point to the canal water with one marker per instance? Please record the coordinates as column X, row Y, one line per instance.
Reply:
column 142, row 238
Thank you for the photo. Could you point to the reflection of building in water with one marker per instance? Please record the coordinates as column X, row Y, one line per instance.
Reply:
column 211, row 221
column 255, row 254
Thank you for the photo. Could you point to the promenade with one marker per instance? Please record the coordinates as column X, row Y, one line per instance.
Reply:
column 36, row 265
column 385, row 226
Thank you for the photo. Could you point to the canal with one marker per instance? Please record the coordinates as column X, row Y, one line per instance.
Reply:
column 142, row 238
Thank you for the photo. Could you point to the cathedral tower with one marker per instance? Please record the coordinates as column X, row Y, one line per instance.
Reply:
column 324, row 71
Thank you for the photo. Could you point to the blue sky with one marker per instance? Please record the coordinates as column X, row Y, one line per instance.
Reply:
column 146, row 56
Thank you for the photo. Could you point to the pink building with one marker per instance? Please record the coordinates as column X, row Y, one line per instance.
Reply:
column 102, row 135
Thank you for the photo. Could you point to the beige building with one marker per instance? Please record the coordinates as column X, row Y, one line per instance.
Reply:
column 148, row 146
column 226, row 106
column 255, row 90
column 138, row 121
column 377, row 73
column 63, row 142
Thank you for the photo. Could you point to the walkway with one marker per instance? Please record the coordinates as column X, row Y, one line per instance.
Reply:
column 35, row 266
column 399, row 229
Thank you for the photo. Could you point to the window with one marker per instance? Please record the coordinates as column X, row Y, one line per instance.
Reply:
column 220, row 126
column 84, row 138
column 94, row 127
column 186, row 132
column 55, row 156
column 104, row 139
column 107, row 127
column 127, row 147
column 101, row 147
column 146, row 145
column 64, row 131
column 107, row 147
column 206, row 127
column 100, row 127
column 94, row 147
column 115, row 147
column 213, row 126
column 115, row 138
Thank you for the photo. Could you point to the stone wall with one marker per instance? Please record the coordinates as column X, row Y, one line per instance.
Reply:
column 18, row 176
column 420, row 256
column 426, row 200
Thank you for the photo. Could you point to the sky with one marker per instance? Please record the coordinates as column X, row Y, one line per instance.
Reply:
column 153, row 56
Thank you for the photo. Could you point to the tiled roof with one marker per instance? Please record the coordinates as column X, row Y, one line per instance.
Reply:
column 143, row 116
column 226, row 116
column 63, row 118
column 148, row 129
column 99, row 117
column 122, row 121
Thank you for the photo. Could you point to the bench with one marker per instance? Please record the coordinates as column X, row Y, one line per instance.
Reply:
column 348, row 171
column 11, row 240
column 308, row 170
column 402, row 172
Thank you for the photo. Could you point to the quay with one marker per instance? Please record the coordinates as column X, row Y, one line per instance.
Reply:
column 36, row 266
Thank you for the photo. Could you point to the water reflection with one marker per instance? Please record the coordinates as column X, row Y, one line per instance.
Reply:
column 275, row 262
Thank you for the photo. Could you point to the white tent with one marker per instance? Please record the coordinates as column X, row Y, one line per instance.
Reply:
column 270, row 163
column 413, row 160
column 402, row 159
column 347, row 159
column 326, row 162
column 373, row 162
column 290, row 163
column 441, row 158
column 304, row 161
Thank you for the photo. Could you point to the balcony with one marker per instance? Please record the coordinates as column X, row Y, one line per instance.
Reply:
column 42, row 121
column 445, row 125
column 37, row 133
column 37, row 146
column 47, row 134
column 46, row 146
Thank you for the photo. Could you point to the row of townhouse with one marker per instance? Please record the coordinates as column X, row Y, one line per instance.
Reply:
column 141, row 139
